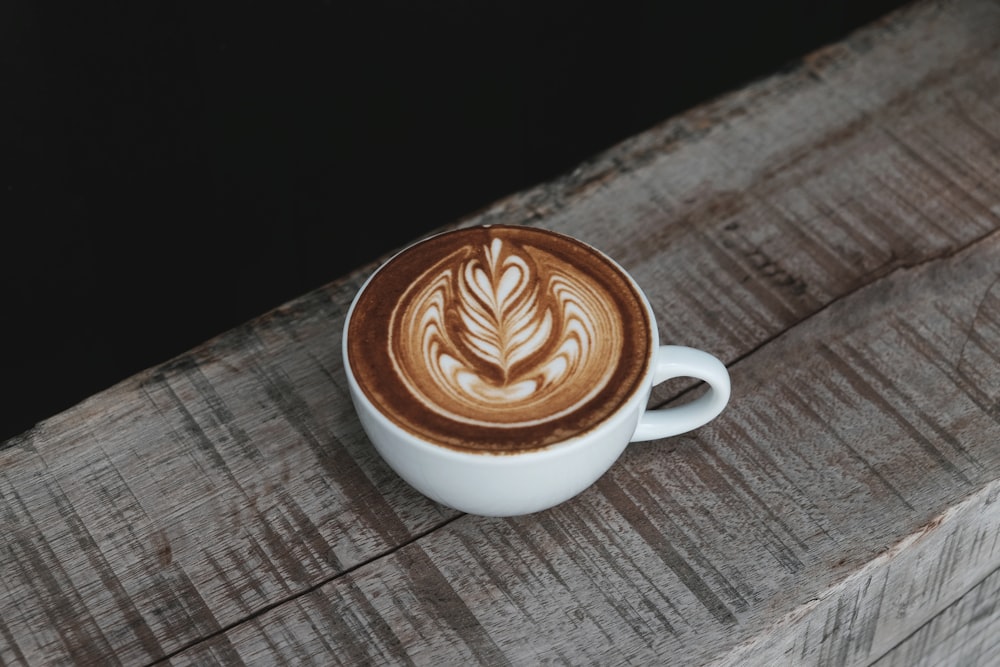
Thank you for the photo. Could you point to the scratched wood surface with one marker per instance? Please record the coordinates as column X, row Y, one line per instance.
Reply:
column 830, row 232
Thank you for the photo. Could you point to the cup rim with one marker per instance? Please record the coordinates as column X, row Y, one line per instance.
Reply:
column 640, row 393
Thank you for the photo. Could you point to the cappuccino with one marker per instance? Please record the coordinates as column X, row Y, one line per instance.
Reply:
column 500, row 339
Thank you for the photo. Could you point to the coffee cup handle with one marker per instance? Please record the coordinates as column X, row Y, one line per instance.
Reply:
column 674, row 361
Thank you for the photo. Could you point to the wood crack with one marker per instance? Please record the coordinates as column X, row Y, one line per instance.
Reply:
column 312, row 588
column 868, row 280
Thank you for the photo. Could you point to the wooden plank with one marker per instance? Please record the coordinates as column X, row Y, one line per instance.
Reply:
column 844, row 500
column 227, row 507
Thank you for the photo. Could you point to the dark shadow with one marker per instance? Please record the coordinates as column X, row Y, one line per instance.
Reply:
column 170, row 172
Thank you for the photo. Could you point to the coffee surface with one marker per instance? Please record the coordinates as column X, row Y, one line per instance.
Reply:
column 499, row 339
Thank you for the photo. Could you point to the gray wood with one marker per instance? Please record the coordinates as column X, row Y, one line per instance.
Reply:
column 830, row 232
column 844, row 500
column 965, row 633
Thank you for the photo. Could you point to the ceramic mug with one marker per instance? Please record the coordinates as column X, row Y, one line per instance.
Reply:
column 501, row 370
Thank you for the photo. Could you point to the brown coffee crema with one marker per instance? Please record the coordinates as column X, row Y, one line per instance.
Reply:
column 499, row 339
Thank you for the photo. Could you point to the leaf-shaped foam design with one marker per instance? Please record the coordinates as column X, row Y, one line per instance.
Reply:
column 505, row 334
column 505, row 320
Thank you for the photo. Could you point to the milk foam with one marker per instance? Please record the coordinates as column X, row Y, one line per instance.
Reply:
column 504, row 334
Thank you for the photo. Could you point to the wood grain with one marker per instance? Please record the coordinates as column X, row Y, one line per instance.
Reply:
column 830, row 232
column 804, row 526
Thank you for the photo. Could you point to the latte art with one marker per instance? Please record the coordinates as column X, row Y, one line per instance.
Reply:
column 505, row 334
column 499, row 339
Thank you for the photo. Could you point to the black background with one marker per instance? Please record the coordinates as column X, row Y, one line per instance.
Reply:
column 169, row 171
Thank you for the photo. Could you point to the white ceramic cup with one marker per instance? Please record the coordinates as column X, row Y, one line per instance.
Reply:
column 518, row 483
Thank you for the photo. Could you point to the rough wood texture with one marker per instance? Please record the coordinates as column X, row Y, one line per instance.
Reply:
column 830, row 232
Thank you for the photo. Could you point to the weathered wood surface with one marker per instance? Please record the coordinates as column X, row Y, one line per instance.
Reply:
column 830, row 232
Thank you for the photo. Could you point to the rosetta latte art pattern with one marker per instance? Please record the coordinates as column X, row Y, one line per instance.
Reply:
column 504, row 334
